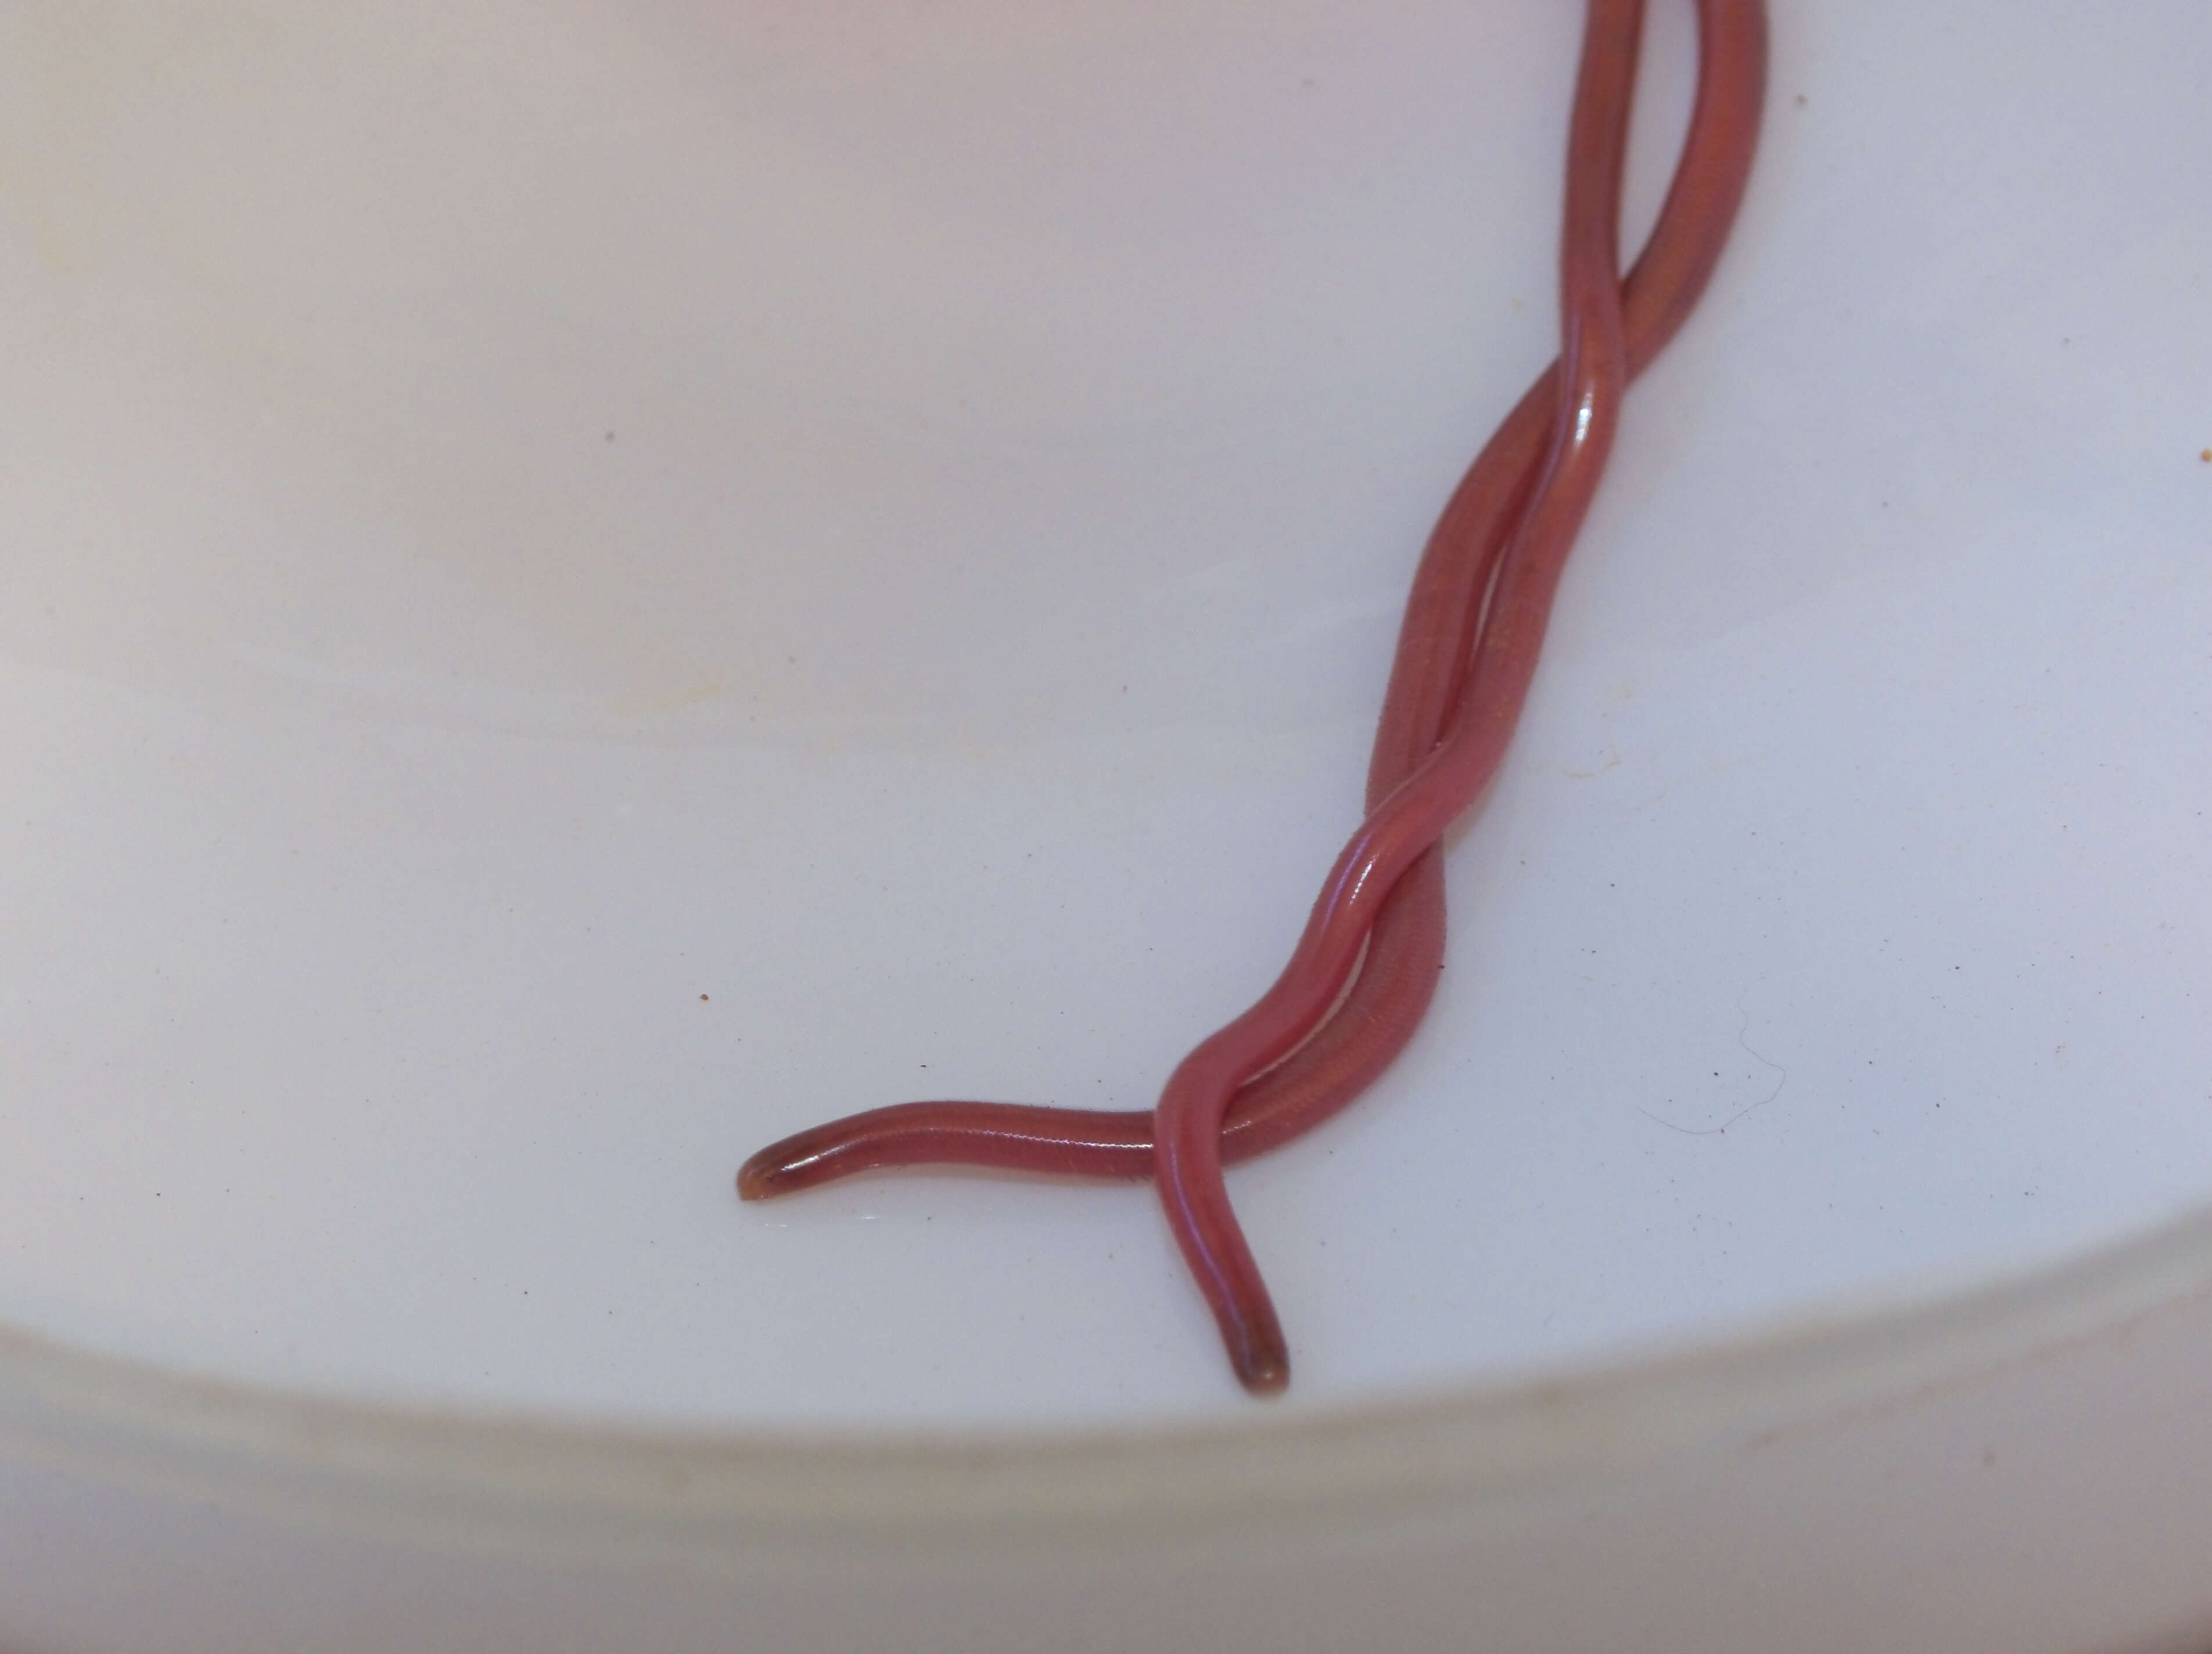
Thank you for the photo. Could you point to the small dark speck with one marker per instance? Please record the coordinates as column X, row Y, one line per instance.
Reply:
column 702, row 999
column 1801, row 100
column 610, row 436
column 2205, row 454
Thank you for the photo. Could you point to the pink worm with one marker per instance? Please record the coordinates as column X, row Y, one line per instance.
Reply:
column 1404, row 951
column 1466, row 656
column 1593, row 372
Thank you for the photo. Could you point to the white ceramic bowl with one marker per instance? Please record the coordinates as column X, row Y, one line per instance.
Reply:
column 589, row 584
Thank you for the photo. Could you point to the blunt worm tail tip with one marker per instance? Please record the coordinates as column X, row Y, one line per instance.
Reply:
column 1261, row 1357
column 1265, row 1374
column 757, row 1177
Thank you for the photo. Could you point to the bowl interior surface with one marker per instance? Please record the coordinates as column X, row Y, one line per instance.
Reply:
column 591, row 583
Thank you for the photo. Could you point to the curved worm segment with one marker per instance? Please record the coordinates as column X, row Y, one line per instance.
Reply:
column 1467, row 654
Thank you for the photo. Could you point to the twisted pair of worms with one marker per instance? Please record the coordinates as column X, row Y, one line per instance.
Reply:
column 1365, row 968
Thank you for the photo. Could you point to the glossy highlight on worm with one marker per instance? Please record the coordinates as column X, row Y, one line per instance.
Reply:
column 1466, row 656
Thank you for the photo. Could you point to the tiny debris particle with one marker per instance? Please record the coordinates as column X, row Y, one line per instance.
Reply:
column 702, row 999
column 2205, row 454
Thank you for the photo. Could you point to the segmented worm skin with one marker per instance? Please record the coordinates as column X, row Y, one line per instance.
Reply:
column 1393, row 988
column 1593, row 371
column 1466, row 653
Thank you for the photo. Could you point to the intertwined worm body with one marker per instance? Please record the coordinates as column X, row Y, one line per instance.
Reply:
column 1466, row 653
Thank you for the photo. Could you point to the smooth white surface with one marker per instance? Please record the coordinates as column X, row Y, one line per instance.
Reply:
column 519, row 518
column 2015, row 1470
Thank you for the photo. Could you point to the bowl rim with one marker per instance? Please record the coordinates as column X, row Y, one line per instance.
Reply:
column 539, row 1481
